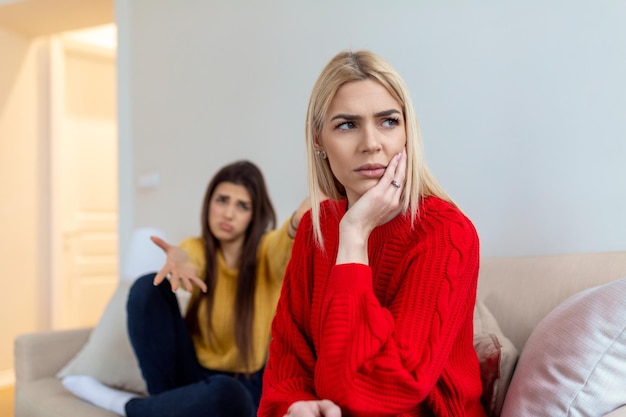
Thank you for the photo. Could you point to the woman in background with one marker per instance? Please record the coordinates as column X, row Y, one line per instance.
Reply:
column 375, row 319
column 209, row 363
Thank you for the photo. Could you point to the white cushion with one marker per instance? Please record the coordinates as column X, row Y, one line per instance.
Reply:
column 108, row 355
column 143, row 255
column 574, row 362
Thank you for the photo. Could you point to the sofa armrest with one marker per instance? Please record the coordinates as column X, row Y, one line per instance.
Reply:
column 43, row 354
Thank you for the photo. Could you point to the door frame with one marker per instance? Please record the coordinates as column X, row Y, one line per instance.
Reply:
column 57, row 129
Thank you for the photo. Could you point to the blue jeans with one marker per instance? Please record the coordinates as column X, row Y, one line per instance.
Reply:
column 177, row 383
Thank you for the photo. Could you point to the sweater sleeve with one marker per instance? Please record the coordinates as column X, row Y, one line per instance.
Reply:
column 288, row 375
column 386, row 361
column 194, row 247
column 274, row 252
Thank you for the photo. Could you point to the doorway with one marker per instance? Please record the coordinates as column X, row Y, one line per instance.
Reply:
column 84, row 167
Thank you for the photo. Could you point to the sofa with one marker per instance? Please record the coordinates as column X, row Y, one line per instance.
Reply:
column 521, row 295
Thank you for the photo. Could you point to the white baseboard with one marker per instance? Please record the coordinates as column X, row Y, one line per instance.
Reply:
column 7, row 378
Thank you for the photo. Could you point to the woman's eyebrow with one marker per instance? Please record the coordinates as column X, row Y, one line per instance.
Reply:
column 356, row 117
column 346, row 117
column 387, row 113
column 246, row 202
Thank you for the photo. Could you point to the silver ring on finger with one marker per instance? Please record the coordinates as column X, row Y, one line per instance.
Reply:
column 395, row 183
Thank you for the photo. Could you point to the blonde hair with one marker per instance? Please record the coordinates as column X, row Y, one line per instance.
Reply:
column 345, row 67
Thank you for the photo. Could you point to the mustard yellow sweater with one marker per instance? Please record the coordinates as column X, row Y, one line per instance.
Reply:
column 273, row 255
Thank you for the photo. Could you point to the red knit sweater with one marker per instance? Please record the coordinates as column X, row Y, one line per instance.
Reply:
column 394, row 338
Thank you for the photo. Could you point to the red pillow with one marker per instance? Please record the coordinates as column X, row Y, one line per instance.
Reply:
column 489, row 351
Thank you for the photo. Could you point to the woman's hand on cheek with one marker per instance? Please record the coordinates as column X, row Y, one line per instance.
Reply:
column 317, row 408
column 381, row 202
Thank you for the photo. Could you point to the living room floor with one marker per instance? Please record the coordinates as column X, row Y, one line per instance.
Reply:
column 6, row 401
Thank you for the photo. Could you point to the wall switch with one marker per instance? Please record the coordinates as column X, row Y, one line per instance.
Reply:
column 149, row 180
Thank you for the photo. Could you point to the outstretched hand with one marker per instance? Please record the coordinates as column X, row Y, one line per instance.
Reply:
column 179, row 267
column 317, row 408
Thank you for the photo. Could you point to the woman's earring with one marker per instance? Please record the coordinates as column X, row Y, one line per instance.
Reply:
column 320, row 153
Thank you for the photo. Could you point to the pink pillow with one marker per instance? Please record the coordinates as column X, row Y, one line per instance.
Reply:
column 574, row 362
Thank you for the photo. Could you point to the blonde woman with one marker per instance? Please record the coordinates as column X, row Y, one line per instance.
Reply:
column 375, row 314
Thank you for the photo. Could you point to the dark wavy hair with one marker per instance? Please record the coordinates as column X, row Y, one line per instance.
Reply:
column 248, row 175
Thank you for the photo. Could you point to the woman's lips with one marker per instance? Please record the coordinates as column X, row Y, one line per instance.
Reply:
column 371, row 171
column 227, row 227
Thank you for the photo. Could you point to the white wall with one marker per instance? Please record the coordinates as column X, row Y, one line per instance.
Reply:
column 522, row 106
column 22, row 190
